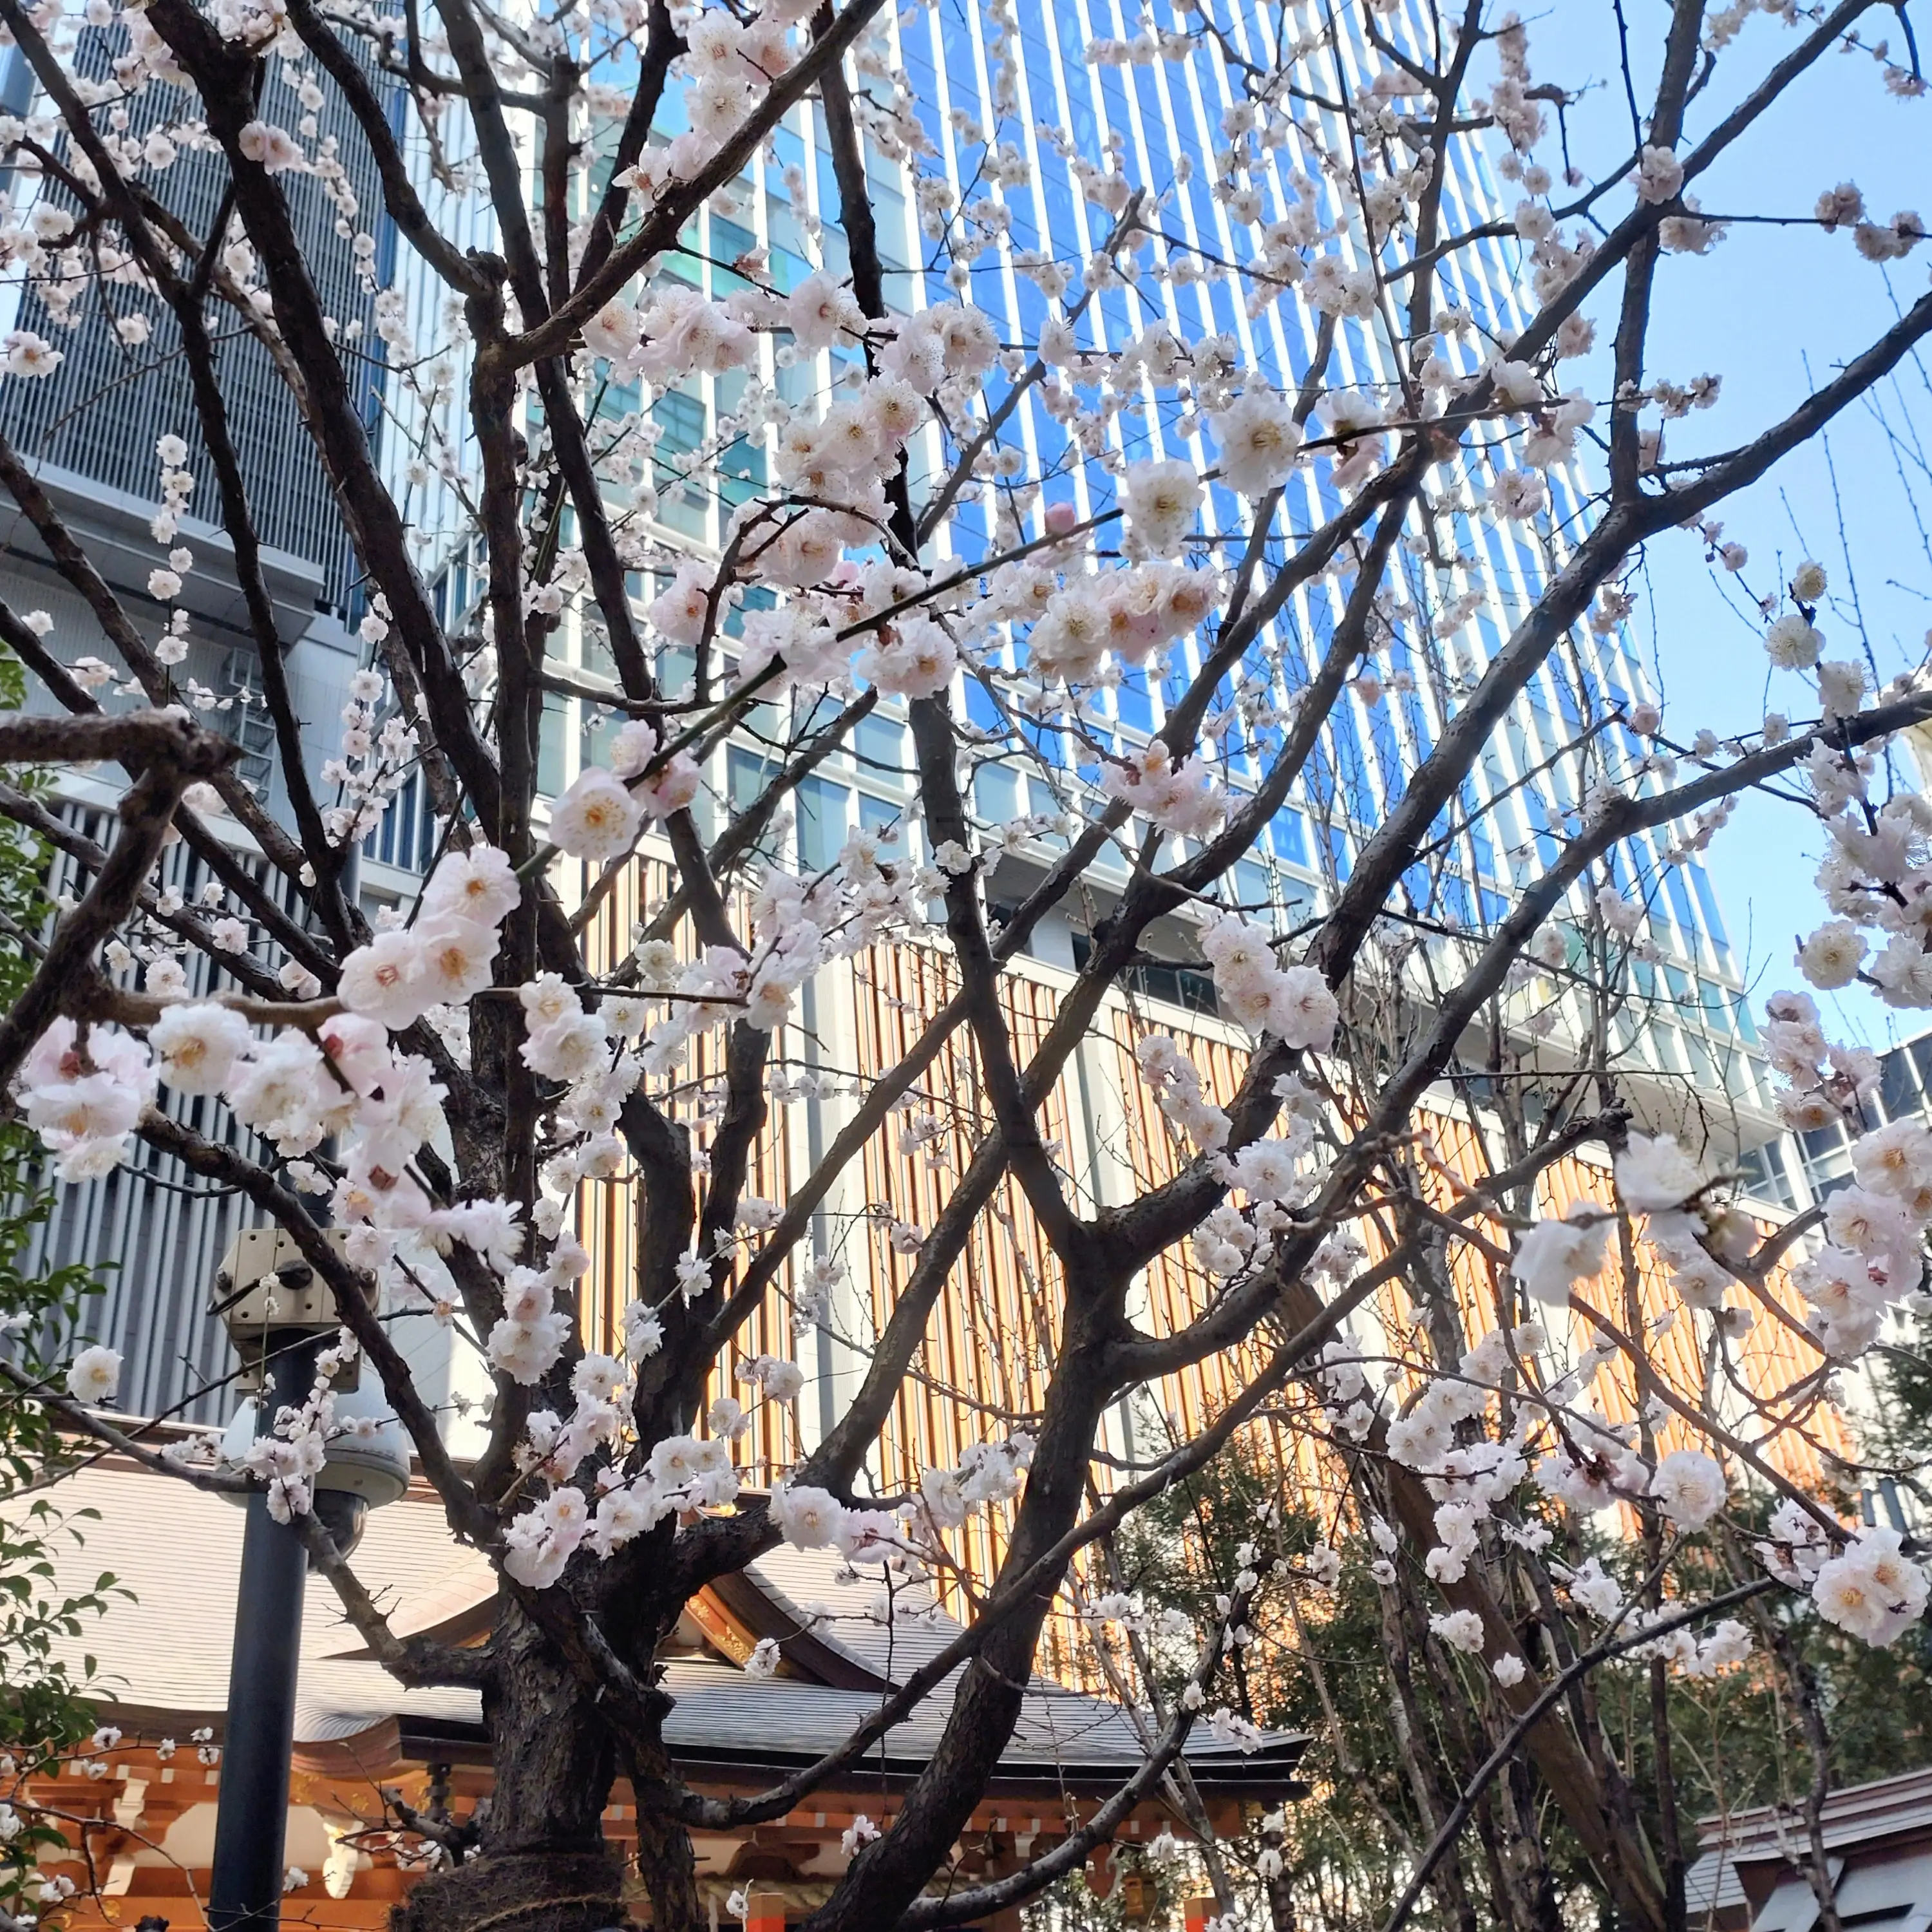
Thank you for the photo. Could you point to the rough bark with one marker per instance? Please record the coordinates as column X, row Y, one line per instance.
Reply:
column 666, row 1862
column 543, row 1864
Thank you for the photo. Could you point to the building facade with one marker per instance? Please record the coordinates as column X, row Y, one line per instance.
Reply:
column 88, row 432
column 1685, row 1033
column 122, row 384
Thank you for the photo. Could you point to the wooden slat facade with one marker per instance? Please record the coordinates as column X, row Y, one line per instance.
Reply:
column 988, row 1350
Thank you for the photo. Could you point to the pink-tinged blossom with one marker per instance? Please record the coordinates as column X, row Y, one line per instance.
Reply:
column 196, row 1047
column 387, row 980
column 275, row 148
column 596, row 818
column 1873, row 1589
column 1659, row 175
column 914, row 659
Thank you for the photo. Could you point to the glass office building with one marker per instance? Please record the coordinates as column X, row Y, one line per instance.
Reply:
column 1077, row 66
column 1084, row 66
column 1081, row 94
column 98, row 415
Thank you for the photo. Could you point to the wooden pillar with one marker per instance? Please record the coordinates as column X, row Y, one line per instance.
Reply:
column 766, row 1912
column 1196, row 1912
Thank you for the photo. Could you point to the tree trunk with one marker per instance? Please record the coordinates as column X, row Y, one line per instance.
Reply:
column 888, row 1875
column 542, row 1864
column 666, row 1861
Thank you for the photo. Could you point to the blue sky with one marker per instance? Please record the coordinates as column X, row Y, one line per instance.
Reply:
column 1773, row 309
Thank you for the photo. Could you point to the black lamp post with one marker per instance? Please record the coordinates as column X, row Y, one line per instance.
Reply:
column 281, row 1320
column 245, row 1893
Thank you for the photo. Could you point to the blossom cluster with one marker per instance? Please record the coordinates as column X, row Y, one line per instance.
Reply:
column 1873, row 1256
column 1292, row 1003
column 1876, row 875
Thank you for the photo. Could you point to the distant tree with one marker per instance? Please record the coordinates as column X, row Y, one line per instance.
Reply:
column 1397, row 1722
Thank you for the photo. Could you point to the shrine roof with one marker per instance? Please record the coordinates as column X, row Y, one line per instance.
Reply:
column 163, row 1653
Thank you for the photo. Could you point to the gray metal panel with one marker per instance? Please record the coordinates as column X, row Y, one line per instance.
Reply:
column 101, row 412
column 1881, row 1888
column 1712, row 1889
column 152, row 1231
column 1792, row 1907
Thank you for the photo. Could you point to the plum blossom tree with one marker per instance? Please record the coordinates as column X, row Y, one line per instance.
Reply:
column 463, row 1084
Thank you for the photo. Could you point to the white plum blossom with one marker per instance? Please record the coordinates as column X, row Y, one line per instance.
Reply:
column 1184, row 798
column 597, row 818
column 915, row 658
column 1176, row 1082
column 478, row 885
column 1162, row 500
column 540, row 1542
column 30, row 355
column 1518, row 495
column 622, row 1514
column 84, row 1096
column 671, row 787
column 94, row 1376
column 1460, row 1630
column 1553, row 1256
column 1793, row 644
column 274, row 148
column 527, row 1350
column 456, row 954
column 1872, row 1589
column 783, row 1381
column 1831, row 958
column 859, row 1833
column 1258, row 439
column 644, row 1333
column 1689, row 1487
column 1841, row 687
column 388, row 980
column 1654, row 1174
column 196, row 1047
column 807, row 1518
